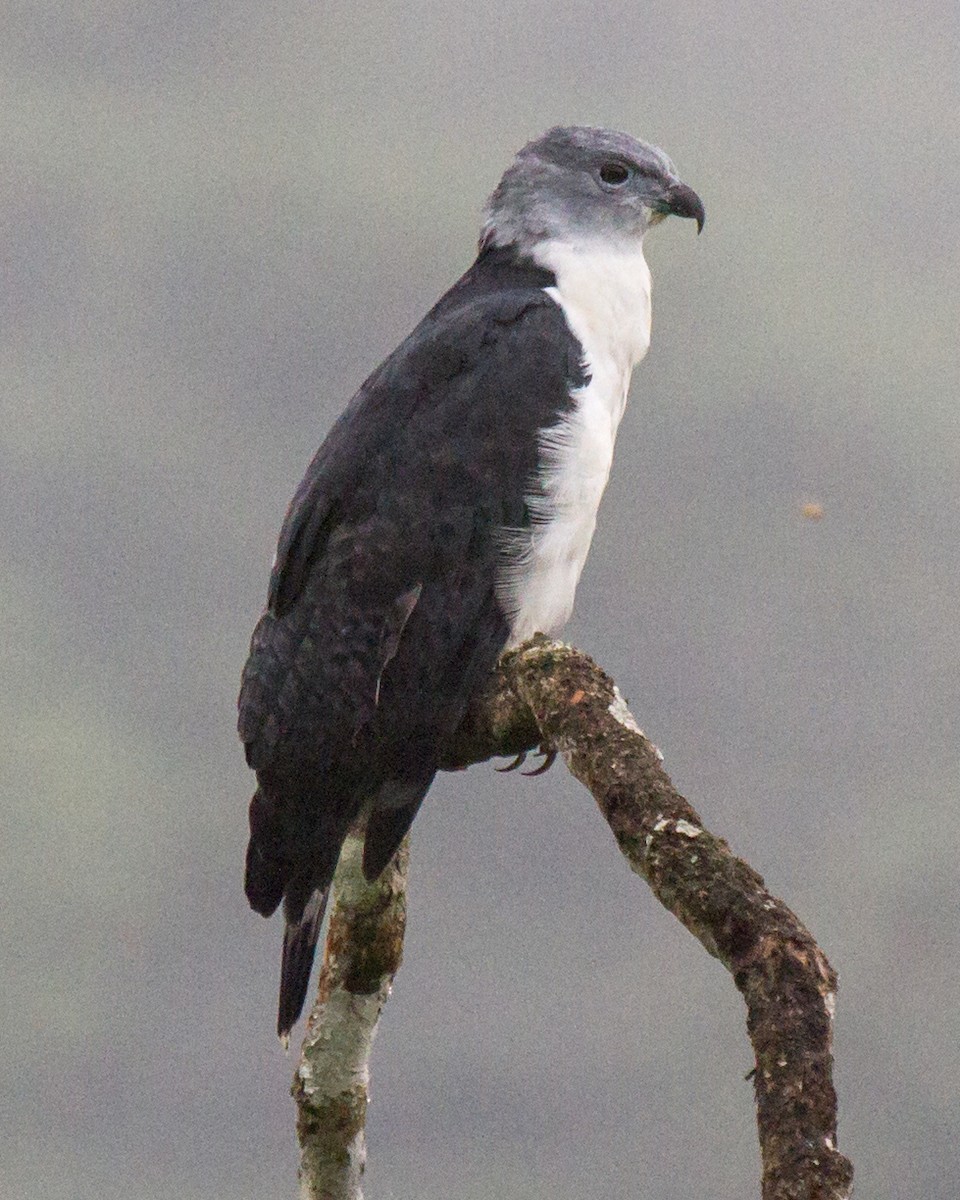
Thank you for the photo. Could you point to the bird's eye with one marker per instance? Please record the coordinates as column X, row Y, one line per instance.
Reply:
column 614, row 174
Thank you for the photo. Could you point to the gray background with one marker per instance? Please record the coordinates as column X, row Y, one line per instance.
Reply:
column 215, row 218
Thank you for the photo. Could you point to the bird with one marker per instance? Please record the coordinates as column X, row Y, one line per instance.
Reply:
column 445, row 518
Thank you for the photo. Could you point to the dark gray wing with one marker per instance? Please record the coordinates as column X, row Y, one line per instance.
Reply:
column 430, row 458
column 382, row 616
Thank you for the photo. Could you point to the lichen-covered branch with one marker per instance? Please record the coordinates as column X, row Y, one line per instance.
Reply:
column 784, row 977
column 363, row 951
column 550, row 694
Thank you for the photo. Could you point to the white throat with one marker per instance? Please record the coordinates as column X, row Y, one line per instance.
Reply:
column 604, row 295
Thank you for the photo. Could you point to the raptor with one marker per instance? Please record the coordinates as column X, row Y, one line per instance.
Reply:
column 446, row 516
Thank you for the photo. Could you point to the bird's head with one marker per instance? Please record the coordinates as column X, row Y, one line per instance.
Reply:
column 581, row 184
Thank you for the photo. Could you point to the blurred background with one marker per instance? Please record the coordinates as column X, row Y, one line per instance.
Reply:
column 215, row 219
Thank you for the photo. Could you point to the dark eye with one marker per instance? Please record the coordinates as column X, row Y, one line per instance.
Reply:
column 614, row 174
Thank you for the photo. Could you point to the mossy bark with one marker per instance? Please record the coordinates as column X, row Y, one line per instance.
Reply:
column 363, row 951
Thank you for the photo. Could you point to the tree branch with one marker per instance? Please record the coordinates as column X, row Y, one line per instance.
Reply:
column 363, row 951
column 547, row 693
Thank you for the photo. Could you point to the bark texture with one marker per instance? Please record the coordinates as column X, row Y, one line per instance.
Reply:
column 554, row 696
column 363, row 951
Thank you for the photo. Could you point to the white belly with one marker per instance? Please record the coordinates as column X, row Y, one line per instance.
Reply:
column 606, row 302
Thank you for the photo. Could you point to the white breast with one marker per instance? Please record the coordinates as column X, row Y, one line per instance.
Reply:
column 605, row 298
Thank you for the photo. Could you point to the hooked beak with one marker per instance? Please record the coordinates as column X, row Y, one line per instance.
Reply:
column 682, row 201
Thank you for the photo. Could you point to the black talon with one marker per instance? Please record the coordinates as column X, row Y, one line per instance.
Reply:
column 517, row 762
column 549, row 758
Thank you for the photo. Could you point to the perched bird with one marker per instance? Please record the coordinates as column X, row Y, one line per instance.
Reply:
column 446, row 516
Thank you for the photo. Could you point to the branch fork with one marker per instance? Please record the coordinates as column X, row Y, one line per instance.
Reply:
column 550, row 695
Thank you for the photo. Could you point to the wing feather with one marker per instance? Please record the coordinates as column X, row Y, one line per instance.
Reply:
column 382, row 614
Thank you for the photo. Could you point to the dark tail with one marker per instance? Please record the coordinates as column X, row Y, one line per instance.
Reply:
column 394, row 807
column 299, row 946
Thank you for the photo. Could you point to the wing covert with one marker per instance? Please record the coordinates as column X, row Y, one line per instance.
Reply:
column 498, row 368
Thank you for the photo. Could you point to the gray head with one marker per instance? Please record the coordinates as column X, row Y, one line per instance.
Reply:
column 579, row 184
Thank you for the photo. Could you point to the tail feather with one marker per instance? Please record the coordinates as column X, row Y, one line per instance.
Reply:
column 395, row 805
column 299, row 946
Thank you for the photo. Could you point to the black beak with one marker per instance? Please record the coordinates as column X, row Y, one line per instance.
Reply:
column 683, row 201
